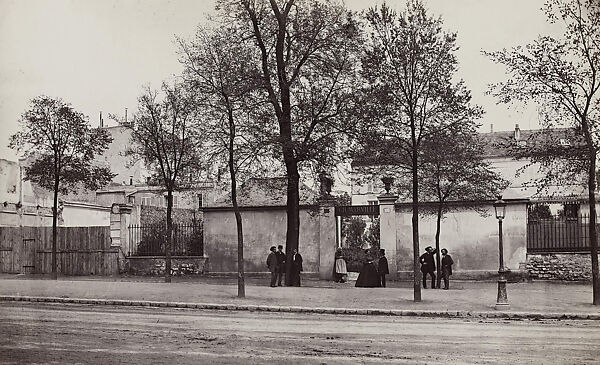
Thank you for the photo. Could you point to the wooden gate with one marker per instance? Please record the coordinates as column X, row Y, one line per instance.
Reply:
column 28, row 256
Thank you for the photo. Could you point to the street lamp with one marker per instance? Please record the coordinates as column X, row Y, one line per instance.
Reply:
column 502, row 300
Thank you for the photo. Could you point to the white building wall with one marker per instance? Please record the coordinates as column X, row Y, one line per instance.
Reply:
column 84, row 215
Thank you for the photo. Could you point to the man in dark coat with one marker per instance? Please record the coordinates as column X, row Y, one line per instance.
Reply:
column 296, row 268
column 272, row 265
column 382, row 267
column 447, row 263
column 280, row 264
column 428, row 266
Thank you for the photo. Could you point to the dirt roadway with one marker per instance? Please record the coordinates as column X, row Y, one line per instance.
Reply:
column 70, row 334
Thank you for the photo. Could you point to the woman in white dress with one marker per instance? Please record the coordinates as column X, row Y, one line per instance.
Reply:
column 340, row 272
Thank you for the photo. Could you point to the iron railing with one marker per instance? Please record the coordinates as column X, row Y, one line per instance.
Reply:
column 151, row 239
column 558, row 234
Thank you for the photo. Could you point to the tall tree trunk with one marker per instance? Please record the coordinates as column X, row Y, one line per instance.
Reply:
column 54, row 228
column 437, row 245
column 592, row 226
column 236, row 209
column 293, row 218
column 415, row 226
column 293, row 181
column 240, row 237
column 170, row 232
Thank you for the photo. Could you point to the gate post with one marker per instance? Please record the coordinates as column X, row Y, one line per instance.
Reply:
column 327, row 237
column 387, row 231
column 120, row 217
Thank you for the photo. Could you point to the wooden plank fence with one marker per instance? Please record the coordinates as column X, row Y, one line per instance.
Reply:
column 79, row 251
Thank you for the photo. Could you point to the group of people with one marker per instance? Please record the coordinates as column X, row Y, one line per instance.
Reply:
column 371, row 275
column 428, row 267
column 276, row 264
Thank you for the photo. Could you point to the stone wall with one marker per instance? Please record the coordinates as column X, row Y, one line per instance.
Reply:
column 263, row 227
column 180, row 266
column 471, row 239
column 560, row 266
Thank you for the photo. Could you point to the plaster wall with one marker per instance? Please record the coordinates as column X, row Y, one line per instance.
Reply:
column 263, row 228
column 120, row 164
column 80, row 215
column 10, row 216
column 9, row 181
column 472, row 240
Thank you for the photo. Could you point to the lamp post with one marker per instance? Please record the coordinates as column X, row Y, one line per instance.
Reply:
column 502, row 300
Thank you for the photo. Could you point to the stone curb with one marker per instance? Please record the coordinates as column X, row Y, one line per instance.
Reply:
column 317, row 310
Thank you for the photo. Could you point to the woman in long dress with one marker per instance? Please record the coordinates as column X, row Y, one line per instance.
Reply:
column 368, row 276
column 340, row 272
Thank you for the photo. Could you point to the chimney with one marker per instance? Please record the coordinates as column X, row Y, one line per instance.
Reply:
column 101, row 120
column 517, row 132
column 492, row 128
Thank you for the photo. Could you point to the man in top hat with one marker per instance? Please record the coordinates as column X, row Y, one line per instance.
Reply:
column 272, row 265
column 382, row 267
column 280, row 264
column 428, row 266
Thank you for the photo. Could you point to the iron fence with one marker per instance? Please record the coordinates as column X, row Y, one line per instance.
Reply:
column 558, row 233
column 151, row 239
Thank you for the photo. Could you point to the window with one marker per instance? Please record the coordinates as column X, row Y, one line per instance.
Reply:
column 200, row 201
column 146, row 200
column 175, row 201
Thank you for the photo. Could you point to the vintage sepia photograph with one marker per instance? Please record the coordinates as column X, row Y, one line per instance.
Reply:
column 299, row 181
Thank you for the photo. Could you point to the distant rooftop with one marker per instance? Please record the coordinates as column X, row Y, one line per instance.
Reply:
column 494, row 142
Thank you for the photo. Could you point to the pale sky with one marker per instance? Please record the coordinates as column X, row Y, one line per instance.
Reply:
column 97, row 54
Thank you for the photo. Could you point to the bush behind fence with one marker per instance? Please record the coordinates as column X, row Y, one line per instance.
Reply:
column 151, row 239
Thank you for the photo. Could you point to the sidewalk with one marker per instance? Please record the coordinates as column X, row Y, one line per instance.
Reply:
column 465, row 299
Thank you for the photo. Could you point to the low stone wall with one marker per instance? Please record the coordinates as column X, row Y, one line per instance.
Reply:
column 180, row 265
column 563, row 266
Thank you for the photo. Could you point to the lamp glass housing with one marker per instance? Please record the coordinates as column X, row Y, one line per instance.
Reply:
column 500, row 208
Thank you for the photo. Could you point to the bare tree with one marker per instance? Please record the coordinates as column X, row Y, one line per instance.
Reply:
column 219, row 67
column 307, row 55
column 409, row 68
column 560, row 75
column 165, row 134
column 454, row 169
column 62, row 147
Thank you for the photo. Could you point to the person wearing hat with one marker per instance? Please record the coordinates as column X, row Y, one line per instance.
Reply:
column 273, row 266
column 280, row 264
column 446, row 268
column 428, row 266
column 382, row 267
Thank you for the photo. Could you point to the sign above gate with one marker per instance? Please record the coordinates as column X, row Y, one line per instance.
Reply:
column 349, row 210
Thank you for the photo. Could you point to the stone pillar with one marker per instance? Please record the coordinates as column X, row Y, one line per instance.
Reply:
column 327, row 238
column 120, row 218
column 387, row 231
